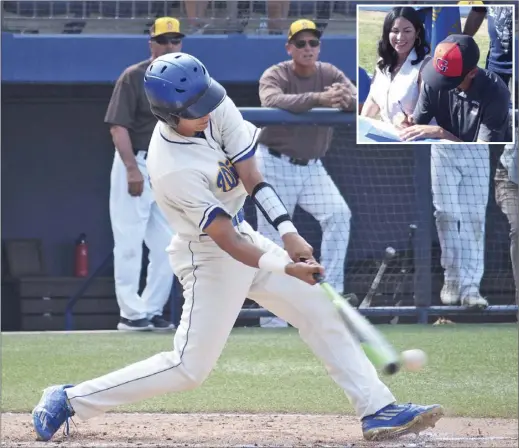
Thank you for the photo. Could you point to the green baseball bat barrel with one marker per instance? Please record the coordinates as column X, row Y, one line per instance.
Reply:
column 378, row 350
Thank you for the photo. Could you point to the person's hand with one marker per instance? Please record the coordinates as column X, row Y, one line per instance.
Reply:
column 135, row 181
column 345, row 95
column 347, row 86
column 420, row 132
column 329, row 97
column 297, row 247
column 402, row 121
column 305, row 270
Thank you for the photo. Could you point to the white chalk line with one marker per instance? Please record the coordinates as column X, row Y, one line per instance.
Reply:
column 464, row 439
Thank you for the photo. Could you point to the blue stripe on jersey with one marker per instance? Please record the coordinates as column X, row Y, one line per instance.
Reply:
column 238, row 219
column 251, row 148
column 212, row 212
column 245, row 156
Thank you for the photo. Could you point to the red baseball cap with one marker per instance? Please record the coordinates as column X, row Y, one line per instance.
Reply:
column 453, row 58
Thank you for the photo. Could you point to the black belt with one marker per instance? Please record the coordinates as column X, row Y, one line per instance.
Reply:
column 136, row 151
column 292, row 160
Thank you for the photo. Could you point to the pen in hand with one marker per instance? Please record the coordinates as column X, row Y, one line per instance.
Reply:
column 403, row 111
column 407, row 118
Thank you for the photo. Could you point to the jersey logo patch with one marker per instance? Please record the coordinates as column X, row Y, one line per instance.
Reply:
column 227, row 177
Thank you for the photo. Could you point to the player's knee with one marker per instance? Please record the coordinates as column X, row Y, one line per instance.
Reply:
column 191, row 377
column 322, row 318
column 476, row 219
column 446, row 218
column 162, row 265
column 195, row 377
column 195, row 370
column 125, row 253
column 344, row 212
column 341, row 215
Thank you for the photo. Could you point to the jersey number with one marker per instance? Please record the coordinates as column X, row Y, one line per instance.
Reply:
column 227, row 177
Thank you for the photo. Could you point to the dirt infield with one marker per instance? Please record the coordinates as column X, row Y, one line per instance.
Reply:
column 252, row 430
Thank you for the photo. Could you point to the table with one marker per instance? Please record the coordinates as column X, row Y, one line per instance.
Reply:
column 377, row 131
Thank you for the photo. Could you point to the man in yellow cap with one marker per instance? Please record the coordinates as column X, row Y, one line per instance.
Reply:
column 134, row 215
column 290, row 156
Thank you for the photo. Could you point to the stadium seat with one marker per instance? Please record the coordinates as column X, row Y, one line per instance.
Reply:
column 74, row 27
column 25, row 9
column 116, row 9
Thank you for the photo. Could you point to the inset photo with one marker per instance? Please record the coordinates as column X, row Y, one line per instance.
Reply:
column 436, row 74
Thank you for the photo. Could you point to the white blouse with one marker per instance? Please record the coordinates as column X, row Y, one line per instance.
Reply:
column 404, row 88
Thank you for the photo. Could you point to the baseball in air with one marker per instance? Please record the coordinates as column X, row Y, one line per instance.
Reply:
column 414, row 360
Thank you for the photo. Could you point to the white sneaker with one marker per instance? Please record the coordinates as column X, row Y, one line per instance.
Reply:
column 474, row 300
column 450, row 293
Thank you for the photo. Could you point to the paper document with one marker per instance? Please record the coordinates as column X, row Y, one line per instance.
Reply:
column 376, row 130
column 371, row 130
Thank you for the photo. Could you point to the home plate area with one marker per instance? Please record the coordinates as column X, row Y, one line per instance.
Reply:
column 252, row 430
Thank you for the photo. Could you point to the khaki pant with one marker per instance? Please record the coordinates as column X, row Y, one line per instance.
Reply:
column 507, row 199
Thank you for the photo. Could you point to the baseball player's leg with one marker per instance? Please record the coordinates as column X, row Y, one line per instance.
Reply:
column 507, row 198
column 323, row 200
column 285, row 179
column 445, row 179
column 473, row 199
column 129, row 218
column 160, row 278
column 307, row 308
column 215, row 286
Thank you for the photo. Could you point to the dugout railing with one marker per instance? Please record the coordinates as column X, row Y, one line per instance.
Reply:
column 388, row 187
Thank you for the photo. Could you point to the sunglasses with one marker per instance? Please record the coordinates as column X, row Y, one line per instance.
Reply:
column 301, row 43
column 165, row 40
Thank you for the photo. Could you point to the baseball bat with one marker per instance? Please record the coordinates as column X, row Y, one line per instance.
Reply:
column 388, row 256
column 406, row 265
column 378, row 350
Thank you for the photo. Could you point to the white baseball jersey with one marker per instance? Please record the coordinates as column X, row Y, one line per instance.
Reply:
column 193, row 178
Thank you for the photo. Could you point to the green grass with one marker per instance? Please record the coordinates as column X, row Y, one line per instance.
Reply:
column 472, row 370
column 370, row 30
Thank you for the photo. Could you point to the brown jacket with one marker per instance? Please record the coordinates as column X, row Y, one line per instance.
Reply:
column 280, row 87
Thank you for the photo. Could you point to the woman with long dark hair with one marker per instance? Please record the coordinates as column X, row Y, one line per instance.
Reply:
column 402, row 51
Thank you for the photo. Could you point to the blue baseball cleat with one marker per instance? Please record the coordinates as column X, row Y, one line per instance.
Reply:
column 399, row 419
column 51, row 412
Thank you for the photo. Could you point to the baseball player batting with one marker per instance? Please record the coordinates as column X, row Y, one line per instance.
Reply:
column 202, row 166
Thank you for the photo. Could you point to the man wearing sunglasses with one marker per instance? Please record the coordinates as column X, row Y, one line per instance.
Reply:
column 289, row 156
column 134, row 214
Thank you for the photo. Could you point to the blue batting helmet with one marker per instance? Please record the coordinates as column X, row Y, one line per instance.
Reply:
column 178, row 86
